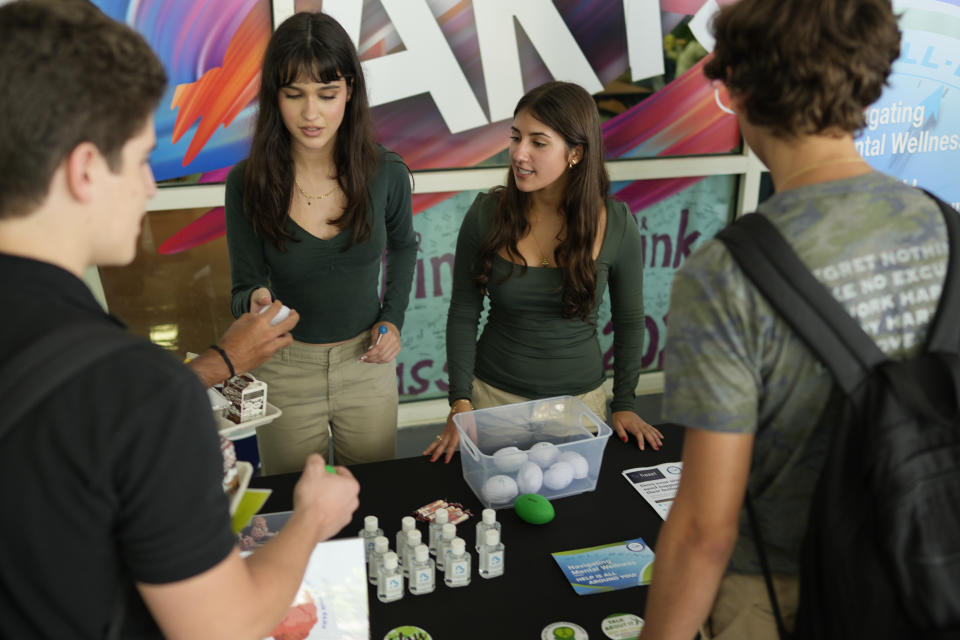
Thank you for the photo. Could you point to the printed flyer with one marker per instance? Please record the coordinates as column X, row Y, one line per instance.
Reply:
column 618, row 565
column 658, row 485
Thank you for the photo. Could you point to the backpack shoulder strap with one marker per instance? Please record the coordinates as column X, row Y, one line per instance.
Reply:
column 35, row 371
column 800, row 299
column 944, row 333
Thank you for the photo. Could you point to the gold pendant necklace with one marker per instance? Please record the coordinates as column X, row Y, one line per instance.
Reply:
column 544, row 262
column 309, row 198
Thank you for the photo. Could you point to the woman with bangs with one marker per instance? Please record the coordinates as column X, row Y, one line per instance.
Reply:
column 543, row 249
column 309, row 214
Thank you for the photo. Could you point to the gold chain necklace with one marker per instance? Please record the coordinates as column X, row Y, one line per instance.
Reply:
column 309, row 198
column 817, row 165
column 544, row 262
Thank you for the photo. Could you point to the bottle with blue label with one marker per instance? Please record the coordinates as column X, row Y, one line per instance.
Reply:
column 414, row 538
column 407, row 523
column 488, row 520
column 381, row 546
column 390, row 582
column 440, row 518
column 443, row 546
column 368, row 534
column 490, row 561
column 458, row 568
column 422, row 573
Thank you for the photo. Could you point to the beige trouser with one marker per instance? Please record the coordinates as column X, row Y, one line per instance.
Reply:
column 485, row 397
column 320, row 387
column 742, row 609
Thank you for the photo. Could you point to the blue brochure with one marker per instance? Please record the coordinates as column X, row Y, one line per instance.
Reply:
column 618, row 565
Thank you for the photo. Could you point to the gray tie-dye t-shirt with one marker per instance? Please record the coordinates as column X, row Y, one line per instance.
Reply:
column 732, row 365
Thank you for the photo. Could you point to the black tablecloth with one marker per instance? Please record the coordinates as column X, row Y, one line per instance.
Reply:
column 533, row 592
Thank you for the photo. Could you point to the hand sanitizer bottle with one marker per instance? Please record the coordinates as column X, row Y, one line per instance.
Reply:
column 443, row 546
column 488, row 520
column 457, row 571
column 381, row 545
column 407, row 523
column 422, row 573
column 440, row 518
column 369, row 532
column 490, row 562
column 414, row 538
column 390, row 585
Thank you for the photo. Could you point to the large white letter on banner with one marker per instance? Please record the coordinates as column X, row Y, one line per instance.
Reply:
column 501, row 59
column 427, row 65
column 644, row 40
column 348, row 13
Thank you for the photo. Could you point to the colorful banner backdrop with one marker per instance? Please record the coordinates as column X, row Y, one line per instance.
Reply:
column 913, row 131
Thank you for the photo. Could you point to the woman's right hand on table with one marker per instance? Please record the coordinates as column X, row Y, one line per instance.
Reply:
column 447, row 442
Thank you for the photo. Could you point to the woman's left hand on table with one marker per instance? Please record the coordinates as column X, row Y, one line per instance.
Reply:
column 627, row 423
column 387, row 348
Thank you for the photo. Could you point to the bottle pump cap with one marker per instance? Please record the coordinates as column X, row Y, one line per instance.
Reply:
column 381, row 544
column 489, row 516
column 449, row 531
column 458, row 546
column 441, row 516
column 370, row 523
column 421, row 552
column 492, row 537
column 408, row 523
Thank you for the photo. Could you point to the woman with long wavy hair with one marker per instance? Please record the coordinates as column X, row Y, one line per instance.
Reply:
column 543, row 250
column 309, row 214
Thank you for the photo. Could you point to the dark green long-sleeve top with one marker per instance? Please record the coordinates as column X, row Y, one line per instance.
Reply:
column 527, row 346
column 336, row 292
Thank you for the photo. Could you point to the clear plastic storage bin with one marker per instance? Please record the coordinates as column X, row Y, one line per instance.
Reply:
column 563, row 421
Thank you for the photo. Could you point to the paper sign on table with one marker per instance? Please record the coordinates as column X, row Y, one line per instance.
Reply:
column 331, row 603
column 658, row 485
column 618, row 565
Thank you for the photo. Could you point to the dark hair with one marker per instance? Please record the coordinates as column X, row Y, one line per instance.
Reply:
column 805, row 66
column 316, row 46
column 570, row 111
column 69, row 74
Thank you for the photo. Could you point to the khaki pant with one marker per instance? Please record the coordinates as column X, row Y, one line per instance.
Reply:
column 320, row 388
column 742, row 610
column 486, row 396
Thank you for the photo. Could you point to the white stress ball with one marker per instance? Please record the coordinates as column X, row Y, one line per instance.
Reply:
column 281, row 315
column 578, row 462
column 544, row 454
column 530, row 478
column 558, row 476
column 499, row 489
column 509, row 459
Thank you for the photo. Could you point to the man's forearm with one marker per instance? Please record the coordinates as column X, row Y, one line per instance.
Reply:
column 687, row 571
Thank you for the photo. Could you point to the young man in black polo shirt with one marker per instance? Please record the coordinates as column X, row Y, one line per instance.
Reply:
column 112, row 487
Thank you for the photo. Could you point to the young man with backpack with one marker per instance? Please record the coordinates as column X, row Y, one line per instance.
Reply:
column 749, row 390
column 115, row 523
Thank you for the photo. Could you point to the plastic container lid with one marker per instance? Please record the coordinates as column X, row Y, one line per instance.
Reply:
column 449, row 531
column 408, row 523
column 492, row 537
column 370, row 523
column 421, row 552
column 489, row 516
column 390, row 561
column 414, row 537
column 458, row 546
column 441, row 516
column 381, row 544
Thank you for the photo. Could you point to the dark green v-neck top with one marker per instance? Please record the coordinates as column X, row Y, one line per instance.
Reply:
column 336, row 292
column 527, row 347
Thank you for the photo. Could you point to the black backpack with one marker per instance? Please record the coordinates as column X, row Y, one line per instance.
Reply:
column 881, row 553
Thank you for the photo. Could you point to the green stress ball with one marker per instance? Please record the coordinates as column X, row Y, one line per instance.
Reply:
column 533, row 508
